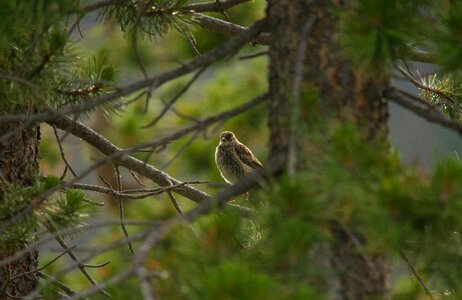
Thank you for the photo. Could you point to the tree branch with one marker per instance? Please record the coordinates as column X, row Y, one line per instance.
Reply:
column 213, row 6
column 59, row 284
column 422, row 56
column 426, row 112
column 227, row 28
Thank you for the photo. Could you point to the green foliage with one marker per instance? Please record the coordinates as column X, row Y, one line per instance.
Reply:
column 29, row 20
column 229, row 266
column 49, row 290
column 446, row 34
column 39, row 62
column 61, row 212
column 146, row 19
column 444, row 93
column 85, row 81
column 377, row 32
column 65, row 211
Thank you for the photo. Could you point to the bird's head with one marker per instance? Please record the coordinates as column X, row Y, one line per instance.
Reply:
column 227, row 137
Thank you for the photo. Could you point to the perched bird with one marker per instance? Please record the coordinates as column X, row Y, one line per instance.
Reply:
column 234, row 159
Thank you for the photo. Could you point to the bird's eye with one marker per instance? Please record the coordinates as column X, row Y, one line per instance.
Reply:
column 223, row 139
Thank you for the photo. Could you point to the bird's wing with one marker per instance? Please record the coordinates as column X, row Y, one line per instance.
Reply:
column 247, row 157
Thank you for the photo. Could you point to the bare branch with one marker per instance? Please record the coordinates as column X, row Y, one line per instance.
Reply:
column 98, row 265
column 76, row 260
column 181, row 150
column 253, row 55
column 59, row 284
column 213, row 6
column 121, row 207
column 61, row 150
column 131, row 194
column 227, row 28
column 175, row 98
column 136, row 178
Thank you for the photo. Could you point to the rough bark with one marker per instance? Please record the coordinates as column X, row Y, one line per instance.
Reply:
column 18, row 165
column 346, row 93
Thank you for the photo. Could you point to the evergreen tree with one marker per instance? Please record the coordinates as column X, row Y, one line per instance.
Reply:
column 331, row 215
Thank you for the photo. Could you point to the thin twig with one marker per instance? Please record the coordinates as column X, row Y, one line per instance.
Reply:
column 226, row 28
column 98, row 265
column 182, row 115
column 121, row 207
column 181, row 150
column 136, row 178
column 212, row 6
column 175, row 98
column 416, row 274
column 38, row 269
column 59, row 284
column 75, row 259
column 253, row 55
column 132, row 193
column 61, row 150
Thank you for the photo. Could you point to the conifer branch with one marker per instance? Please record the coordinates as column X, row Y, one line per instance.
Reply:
column 425, row 111
column 449, row 101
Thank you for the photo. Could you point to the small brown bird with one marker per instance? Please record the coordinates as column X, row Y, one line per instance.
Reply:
column 234, row 159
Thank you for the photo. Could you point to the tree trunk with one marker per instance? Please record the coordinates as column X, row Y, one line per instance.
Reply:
column 305, row 47
column 18, row 165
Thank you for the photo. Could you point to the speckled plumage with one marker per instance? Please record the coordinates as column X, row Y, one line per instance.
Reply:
column 234, row 160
